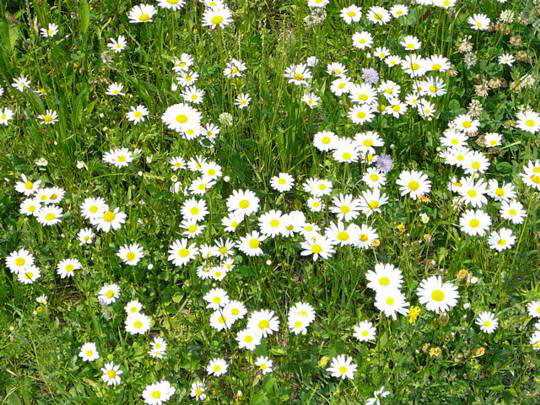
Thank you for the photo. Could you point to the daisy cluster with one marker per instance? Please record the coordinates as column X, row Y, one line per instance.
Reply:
column 224, row 227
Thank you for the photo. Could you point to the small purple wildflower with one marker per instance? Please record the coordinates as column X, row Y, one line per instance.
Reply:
column 384, row 163
column 370, row 75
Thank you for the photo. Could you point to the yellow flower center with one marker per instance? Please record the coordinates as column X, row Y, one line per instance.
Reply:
column 183, row 252
column 111, row 373
column 384, row 281
column 413, row 185
column 244, row 204
column 143, row 18
column 181, row 118
column 437, row 295
column 109, row 216
column 131, row 256
column 343, row 236
column 474, row 223
column 20, row 261
column 254, row 243
column 50, row 216
column 316, row 248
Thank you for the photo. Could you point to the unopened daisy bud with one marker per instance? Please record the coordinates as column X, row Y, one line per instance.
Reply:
column 376, row 243
column 268, row 262
column 226, row 179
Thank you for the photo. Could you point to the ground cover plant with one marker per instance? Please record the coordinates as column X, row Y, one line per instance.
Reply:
column 297, row 201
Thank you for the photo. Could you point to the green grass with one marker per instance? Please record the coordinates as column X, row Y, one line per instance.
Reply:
column 38, row 361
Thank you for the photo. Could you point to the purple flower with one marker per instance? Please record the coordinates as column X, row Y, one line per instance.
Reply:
column 384, row 163
column 370, row 75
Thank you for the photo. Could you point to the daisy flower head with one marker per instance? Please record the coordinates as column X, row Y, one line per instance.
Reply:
column 365, row 331
column 19, row 260
column 362, row 40
column 436, row 295
column 492, row 139
column 506, row 59
column 501, row 192
column 501, row 240
column 67, row 267
column 475, row 222
column 181, row 117
column 194, row 210
column 111, row 374
column 133, row 307
column 235, row 309
column 217, row 367
column 411, row 43
column 325, row 141
column 533, row 308
column 216, row 298
column 29, row 274
column 158, row 393
column 391, row 302
column 171, row 4
column 242, row 100
column 108, row 294
column 487, row 322
column 318, row 3
column 93, row 208
column 299, row 75
column 366, row 236
column 182, row 252
column 50, row 31
column 351, row 14
column 49, row 118
column 121, row 157
column 234, row 68
column 378, row 15
column 383, row 277
column 528, row 121
column 264, row 364
column 158, row 347
column 137, row 114
column 137, row 323
column 214, row 17
column 142, row 13
column 282, row 182
column 131, row 254
column 343, row 367
column 21, row 83
column 414, row 184
column 513, row 211
column 371, row 201
column 345, row 206
column 89, row 352
column 336, row 69
column 399, row 10
column 115, row 89
column 479, row 22
column 198, row 391
column 317, row 246
column 243, row 202
column 109, row 220
column 6, row 115
column 117, row 45
column 311, row 99
column 49, row 215
column 264, row 321
column 86, row 236
column 249, row 338
column 531, row 174
column 304, row 311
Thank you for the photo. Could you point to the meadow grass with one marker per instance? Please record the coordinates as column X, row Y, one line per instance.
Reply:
column 437, row 358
